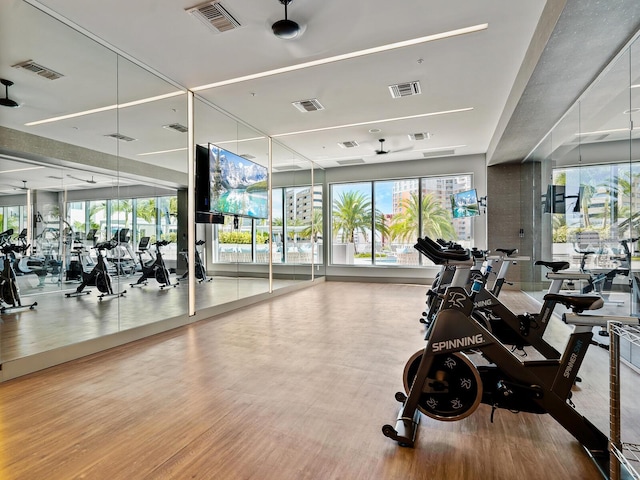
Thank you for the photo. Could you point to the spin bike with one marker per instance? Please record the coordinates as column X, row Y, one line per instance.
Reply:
column 99, row 276
column 602, row 283
column 9, row 291
column 200, row 272
column 517, row 330
column 482, row 267
column 443, row 383
column 156, row 269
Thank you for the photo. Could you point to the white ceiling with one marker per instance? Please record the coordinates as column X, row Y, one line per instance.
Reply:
column 474, row 72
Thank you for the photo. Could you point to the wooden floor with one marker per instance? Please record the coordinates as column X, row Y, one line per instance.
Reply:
column 294, row 388
column 58, row 321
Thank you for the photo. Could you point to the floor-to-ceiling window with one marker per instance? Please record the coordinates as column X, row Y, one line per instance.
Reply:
column 398, row 212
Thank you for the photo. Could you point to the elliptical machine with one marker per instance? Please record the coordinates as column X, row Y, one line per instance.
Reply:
column 200, row 271
column 98, row 277
column 157, row 269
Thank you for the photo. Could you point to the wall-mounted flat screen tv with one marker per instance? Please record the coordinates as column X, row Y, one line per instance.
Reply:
column 465, row 204
column 229, row 184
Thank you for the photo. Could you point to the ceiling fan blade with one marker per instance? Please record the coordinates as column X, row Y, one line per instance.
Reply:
column 405, row 149
column 83, row 179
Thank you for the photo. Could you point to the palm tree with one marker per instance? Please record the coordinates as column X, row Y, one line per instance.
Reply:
column 147, row 210
column 382, row 226
column 436, row 220
column 351, row 213
column 315, row 228
column 122, row 206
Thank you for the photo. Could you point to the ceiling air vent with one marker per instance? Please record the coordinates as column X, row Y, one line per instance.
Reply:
column 33, row 67
column 308, row 105
column 405, row 89
column 118, row 136
column 420, row 136
column 348, row 144
column 178, row 127
column 353, row 161
column 247, row 156
column 438, row 153
column 214, row 16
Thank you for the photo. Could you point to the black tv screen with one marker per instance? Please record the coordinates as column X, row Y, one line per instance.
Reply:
column 229, row 184
column 465, row 204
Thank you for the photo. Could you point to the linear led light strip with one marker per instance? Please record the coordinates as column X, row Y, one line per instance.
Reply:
column 334, row 127
column 300, row 66
column 223, row 142
column 105, row 109
column 20, row 169
column 601, row 132
column 322, row 129
column 347, row 56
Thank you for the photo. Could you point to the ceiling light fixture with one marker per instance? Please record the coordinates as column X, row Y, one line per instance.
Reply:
column 347, row 56
column 6, row 101
column 601, row 132
column 221, row 142
column 105, row 109
column 334, row 127
column 286, row 29
column 20, row 169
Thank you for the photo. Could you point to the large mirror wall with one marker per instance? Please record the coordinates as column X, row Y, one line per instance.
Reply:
column 586, row 203
column 105, row 177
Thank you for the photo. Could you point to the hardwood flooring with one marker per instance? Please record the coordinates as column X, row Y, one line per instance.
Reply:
column 294, row 388
column 58, row 321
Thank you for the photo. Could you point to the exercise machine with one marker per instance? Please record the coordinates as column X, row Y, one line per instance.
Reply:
column 157, row 269
column 516, row 330
column 99, row 276
column 200, row 272
column 121, row 256
column 442, row 382
column 602, row 282
column 9, row 290
column 35, row 264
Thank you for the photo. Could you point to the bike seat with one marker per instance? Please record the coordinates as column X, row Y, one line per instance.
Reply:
column 507, row 251
column 576, row 302
column 554, row 266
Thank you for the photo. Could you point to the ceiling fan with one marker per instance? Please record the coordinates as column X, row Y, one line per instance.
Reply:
column 382, row 151
column 286, row 28
column 6, row 101
column 13, row 187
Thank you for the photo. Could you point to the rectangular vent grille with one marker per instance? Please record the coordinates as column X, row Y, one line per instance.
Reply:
column 178, row 127
column 33, row 67
column 405, row 89
column 311, row 105
column 353, row 161
column 214, row 16
column 118, row 136
column 438, row 153
column 420, row 136
column 287, row 167
column 348, row 144
column 248, row 156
